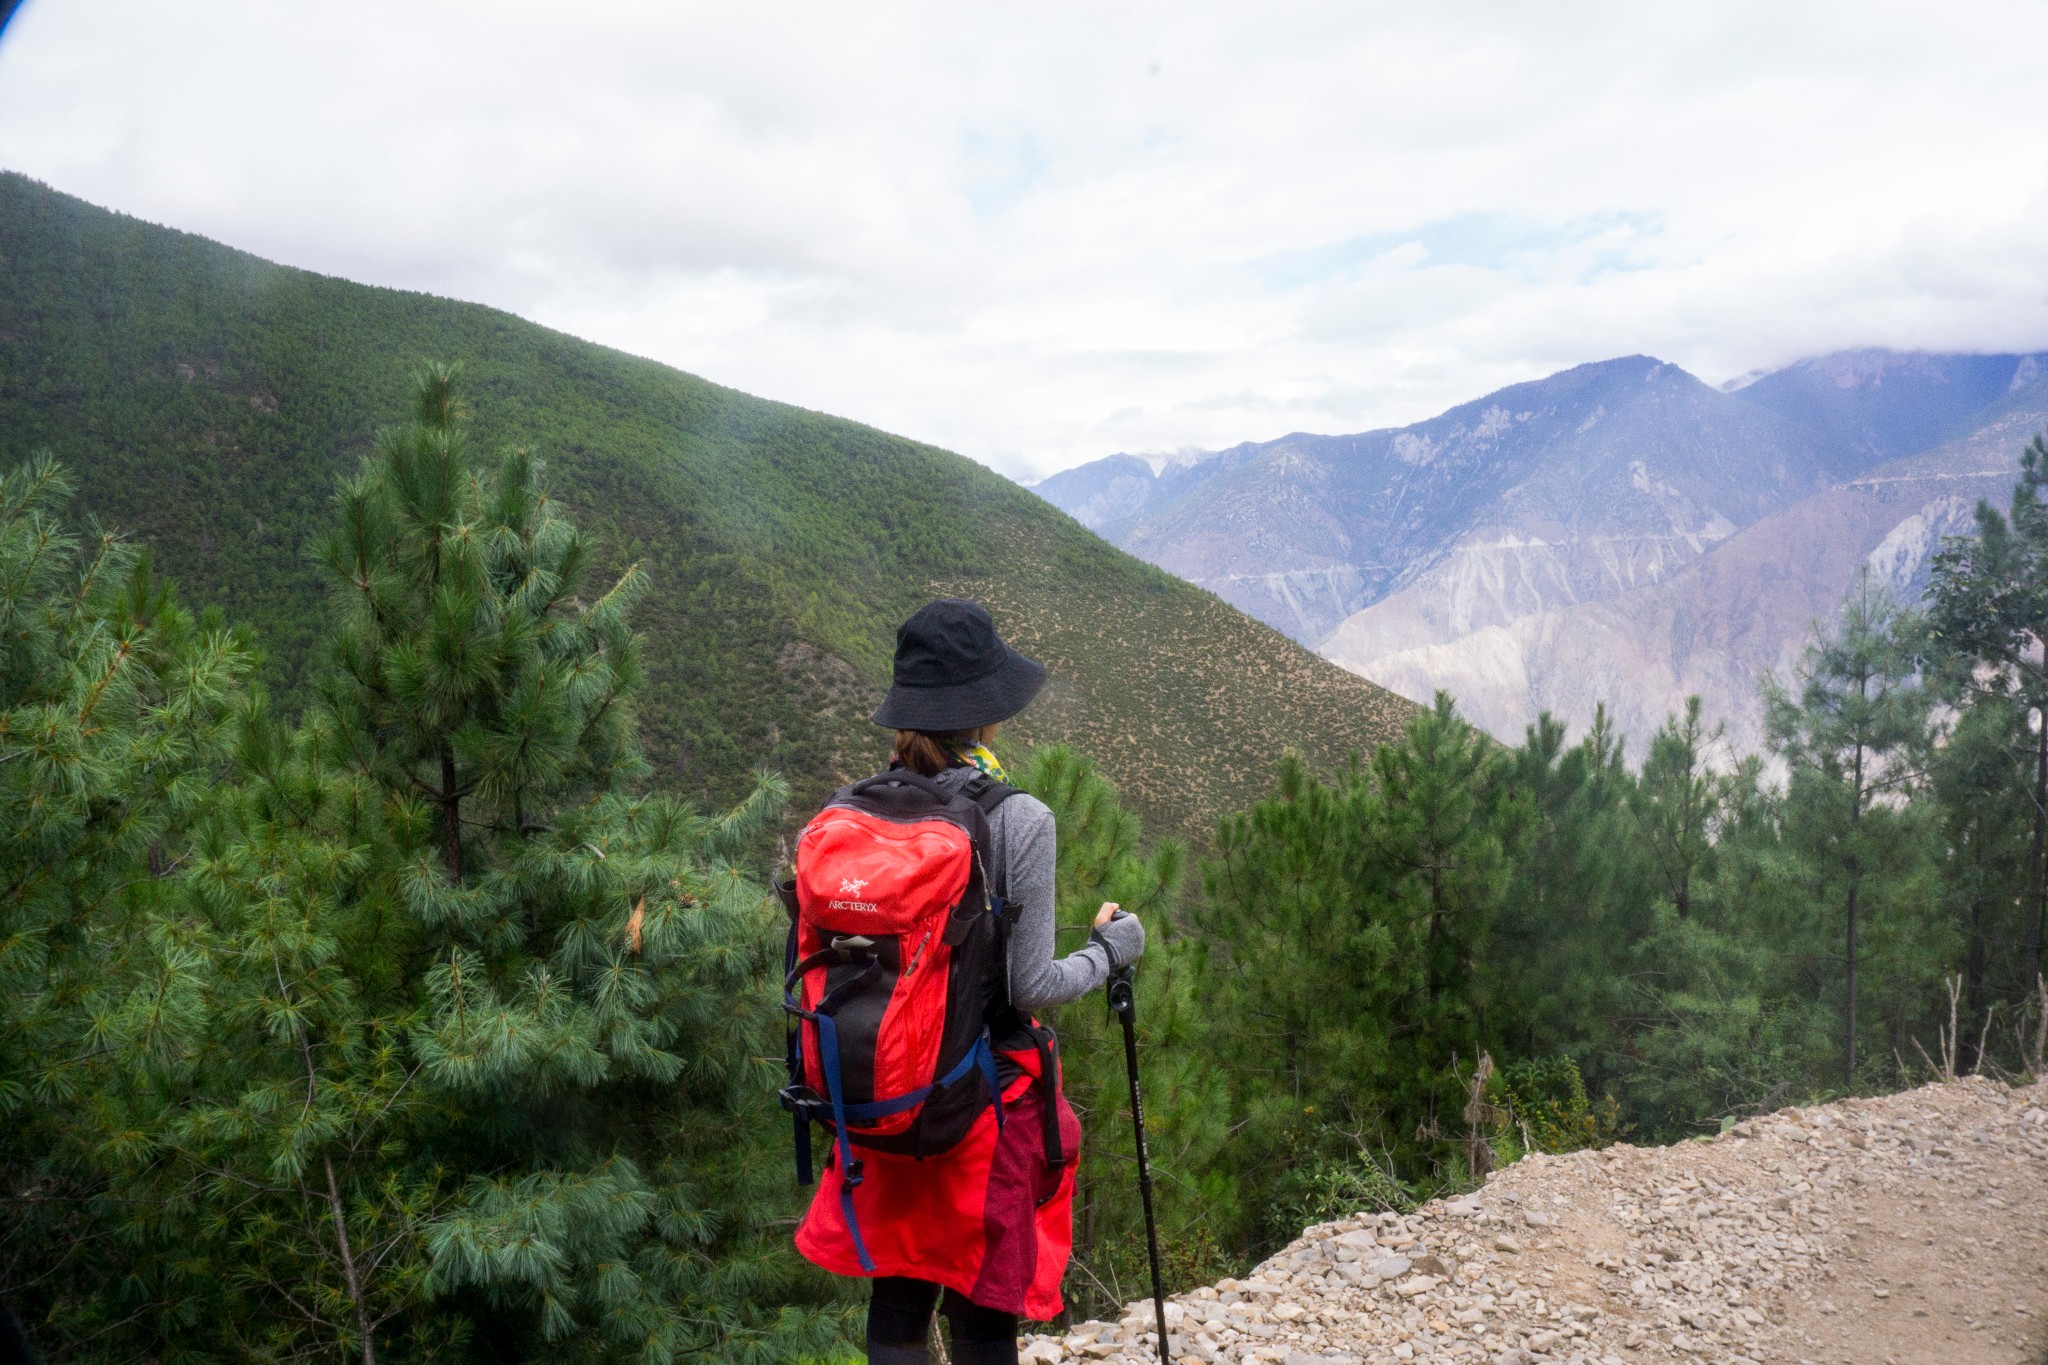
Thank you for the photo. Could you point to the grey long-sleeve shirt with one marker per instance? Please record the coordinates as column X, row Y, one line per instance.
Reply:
column 1023, row 858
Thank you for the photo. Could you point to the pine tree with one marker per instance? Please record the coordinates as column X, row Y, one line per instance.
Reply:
column 1988, row 618
column 1851, row 739
column 1570, row 910
column 589, row 965
column 484, row 1052
column 1977, row 779
column 1677, row 803
column 1703, row 1031
column 1448, row 815
column 114, row 707
column 1732, row 1008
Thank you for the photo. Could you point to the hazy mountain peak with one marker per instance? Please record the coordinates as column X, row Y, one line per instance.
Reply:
column 1884, row 404
column 1869, row 368
column 1109, row 466
column 1187, row 457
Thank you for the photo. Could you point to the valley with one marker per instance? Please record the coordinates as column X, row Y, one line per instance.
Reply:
column 360, row 792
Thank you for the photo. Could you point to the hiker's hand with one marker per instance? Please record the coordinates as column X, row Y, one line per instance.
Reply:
column 1121, row 937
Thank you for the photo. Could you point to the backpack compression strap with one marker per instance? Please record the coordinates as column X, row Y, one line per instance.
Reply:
column 793, row 1058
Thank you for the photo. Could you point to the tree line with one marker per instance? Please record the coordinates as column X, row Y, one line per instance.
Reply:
column 420, row 1025
column 1401, row 974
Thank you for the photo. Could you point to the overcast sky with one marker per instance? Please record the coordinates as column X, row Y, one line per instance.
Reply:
column 1040, row 234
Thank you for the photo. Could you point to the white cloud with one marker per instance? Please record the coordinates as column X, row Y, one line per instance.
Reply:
column 1038, row 236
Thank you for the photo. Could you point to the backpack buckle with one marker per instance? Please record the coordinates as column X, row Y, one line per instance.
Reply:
column 802, row 1101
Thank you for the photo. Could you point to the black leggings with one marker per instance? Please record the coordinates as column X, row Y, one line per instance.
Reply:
column 900, row 1316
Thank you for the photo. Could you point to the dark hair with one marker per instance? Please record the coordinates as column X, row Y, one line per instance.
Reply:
column 929, row 753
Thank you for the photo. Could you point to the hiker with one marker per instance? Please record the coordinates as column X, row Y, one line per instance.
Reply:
column 947, row 1191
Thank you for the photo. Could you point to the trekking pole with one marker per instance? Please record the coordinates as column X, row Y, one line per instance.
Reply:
column 1123, row 1004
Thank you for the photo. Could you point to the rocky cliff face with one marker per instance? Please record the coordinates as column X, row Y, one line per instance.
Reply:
column 1619, row 532
column 1715, row 627
column 1906, row 1229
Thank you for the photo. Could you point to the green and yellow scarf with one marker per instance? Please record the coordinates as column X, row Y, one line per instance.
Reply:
column 978, row 756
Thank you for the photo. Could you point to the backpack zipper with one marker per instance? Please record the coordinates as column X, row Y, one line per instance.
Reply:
column 919, row 952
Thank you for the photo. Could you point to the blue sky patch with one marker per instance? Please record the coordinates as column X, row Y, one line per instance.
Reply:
column 1504, row 242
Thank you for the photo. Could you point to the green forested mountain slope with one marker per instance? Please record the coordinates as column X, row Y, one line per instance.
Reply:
column 209, row 401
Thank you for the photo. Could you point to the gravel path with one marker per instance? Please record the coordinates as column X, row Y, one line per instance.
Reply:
column 1907, row 1230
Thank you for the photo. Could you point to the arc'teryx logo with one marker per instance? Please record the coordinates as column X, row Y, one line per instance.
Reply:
column 851, row 886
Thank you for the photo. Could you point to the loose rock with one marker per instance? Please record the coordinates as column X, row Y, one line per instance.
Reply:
column 1923, row 1207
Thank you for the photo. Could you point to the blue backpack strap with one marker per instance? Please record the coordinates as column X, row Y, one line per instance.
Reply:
column 982, row 1054
column 985, row 1054
column 850, row 1173
column 828, row 1061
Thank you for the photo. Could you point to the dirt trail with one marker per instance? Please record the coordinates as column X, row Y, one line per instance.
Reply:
column 1909, row 1230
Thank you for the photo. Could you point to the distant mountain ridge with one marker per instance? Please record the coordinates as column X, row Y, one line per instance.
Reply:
column 1109, row 494
column 1888, row 404
column 1451, row 552
column 1493, row 495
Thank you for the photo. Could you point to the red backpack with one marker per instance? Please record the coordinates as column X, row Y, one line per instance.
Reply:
column 896, row 972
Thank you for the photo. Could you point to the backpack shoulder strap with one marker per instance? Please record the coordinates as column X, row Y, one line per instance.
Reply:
column 987, row 793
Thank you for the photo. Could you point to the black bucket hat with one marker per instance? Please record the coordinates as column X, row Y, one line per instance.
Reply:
column 953, row 672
